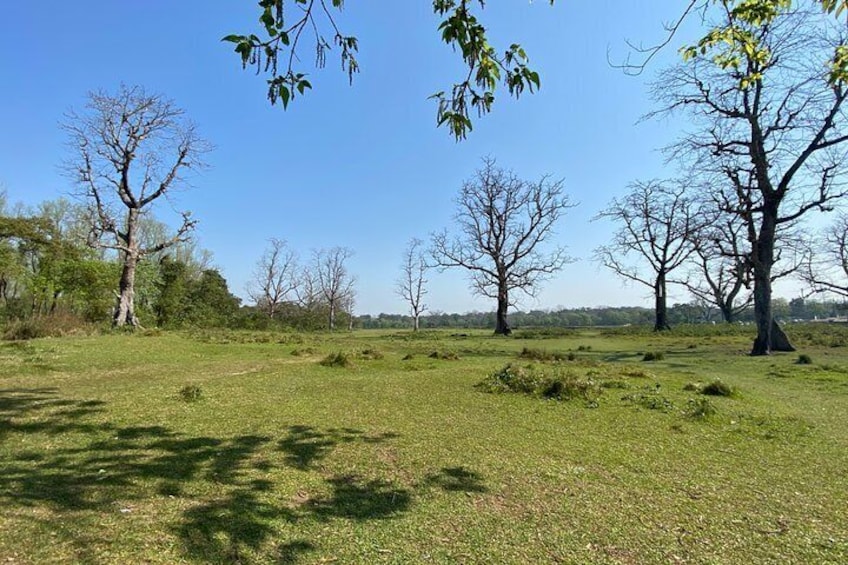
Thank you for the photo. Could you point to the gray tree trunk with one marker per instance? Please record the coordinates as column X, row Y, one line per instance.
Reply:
column 125, row 308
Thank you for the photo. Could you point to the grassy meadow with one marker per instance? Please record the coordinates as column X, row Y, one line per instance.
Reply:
column 238, row 447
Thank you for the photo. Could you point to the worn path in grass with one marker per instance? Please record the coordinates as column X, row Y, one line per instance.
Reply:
column 394, row 460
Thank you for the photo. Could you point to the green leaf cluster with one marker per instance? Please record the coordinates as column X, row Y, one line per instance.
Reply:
column 737, row 44
column 277, row 53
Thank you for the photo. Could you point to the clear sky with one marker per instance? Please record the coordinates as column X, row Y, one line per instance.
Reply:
column 361, row 166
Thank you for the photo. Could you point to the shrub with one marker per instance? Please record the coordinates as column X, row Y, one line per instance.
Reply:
column 693, row 387
column 653, row 356
column 567, row 387
column 339, row 359
column 636, row 373
column 584, row 348
column 547, row 382
column 55, row 325
column 371, row 353
column 542, row 355
column 718, row 388
column 510, row 378
column 571, row 356
column 615, row 383
column 652, row 400
column 20, row 330
column 700, row 408
column 543, row 333
column 444, row 355
column 191, row 393
column 804, row 359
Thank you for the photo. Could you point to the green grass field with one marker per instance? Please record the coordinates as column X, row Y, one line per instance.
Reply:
column 107, row 455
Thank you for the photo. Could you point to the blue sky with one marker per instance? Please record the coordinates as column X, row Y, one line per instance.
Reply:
column 361, row 166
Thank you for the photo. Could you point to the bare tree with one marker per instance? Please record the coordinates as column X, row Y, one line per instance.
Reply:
column 770, row 122
column 721, row 270
column 275, row 279
column 411, row 286
column 130, row 150
column 655, row 221
column 826, row 263
column 334, row 282
column 307, row 290
column 502, row 222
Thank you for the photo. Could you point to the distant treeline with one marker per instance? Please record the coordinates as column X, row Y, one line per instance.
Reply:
column 785, row 310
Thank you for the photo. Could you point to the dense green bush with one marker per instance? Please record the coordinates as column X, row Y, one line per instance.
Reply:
column 56, row 325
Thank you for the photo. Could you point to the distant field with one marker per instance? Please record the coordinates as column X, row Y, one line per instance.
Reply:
column 230, row 447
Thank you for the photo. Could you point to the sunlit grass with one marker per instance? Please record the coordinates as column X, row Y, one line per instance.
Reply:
column 397, row 457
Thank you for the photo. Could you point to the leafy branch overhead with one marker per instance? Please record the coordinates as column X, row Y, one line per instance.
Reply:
column 286, row 24
column 737, row 42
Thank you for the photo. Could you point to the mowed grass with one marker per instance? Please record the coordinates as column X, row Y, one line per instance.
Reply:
column 393, row 456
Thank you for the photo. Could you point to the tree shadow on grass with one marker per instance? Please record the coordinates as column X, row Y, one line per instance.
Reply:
column 355, row 498
column 457, row 479
column 21, row 411
column 305, row 445
column 119, row 465
column 222, row 530
column 289, row 553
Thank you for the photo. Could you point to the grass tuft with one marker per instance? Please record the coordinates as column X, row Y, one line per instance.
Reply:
column 549, row 382
column 650, row 399
column 191, row 393
column 444, row 355
column 339, row 359
column 533, row 354
column 804, row 359
column 700, row 408
column 718, row 388
column 653, row 356
column 371, row 354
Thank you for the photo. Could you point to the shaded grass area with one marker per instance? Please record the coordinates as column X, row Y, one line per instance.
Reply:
column 281, row 460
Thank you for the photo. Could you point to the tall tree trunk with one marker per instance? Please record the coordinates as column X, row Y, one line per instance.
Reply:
column 502, row 326
column 660, row 306
column 415, row 322
column 770, row 337
column 332, row 315
column 762, row 312
column 125, row 308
